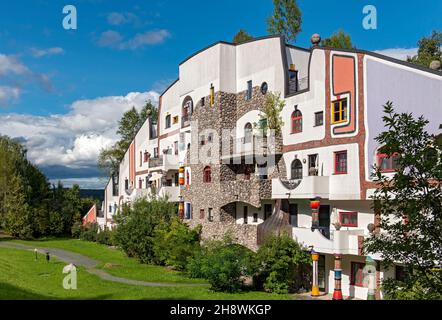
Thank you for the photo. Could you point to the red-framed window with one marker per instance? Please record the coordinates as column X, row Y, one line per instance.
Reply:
column 207, row 175
column 146, row 156
column 140, row 184
column 357, row 274
column 386, row 163
column 296, row 121
column 348, row 218
column 341, row 162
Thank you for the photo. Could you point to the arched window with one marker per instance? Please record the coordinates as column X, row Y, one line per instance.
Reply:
column 207, row 175
column 248, row 132
column 187, row 111
column 296, row 121
column 296, row 169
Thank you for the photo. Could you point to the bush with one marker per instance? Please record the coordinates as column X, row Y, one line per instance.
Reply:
column 174, row 243
column 279, row 260
column 224, row 264
column 105, row 237
column 89, row 232
column 136, row 225
column 76, row 229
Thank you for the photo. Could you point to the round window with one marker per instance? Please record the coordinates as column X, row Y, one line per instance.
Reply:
column 264, row 88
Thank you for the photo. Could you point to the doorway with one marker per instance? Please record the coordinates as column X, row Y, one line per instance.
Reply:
column 324, row 220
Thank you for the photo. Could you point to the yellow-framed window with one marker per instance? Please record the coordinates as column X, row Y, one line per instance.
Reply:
column 339, row 111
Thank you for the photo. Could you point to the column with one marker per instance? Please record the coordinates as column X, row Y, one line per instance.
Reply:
column 314, row 205
column 315, row 283
column 337, row 294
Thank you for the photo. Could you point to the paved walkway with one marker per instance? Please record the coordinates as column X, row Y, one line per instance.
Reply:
column 90, row 265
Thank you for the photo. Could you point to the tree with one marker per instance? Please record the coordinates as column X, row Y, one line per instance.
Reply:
column 270, row 117
column 339, row 39
column 242, row 36
column 410, row 204
column 429, row 50
column 130, row 123
column 286, row 19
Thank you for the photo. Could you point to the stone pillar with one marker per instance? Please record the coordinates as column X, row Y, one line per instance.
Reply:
column 315, row 280
column 314, row 205
column 337, row 294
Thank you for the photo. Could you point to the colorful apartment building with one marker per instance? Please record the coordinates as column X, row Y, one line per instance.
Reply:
column 315, row 181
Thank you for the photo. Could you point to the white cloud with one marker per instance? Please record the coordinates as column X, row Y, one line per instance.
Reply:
column 398, row 53
column 74, row 139
column 114, row 39
column 38, row 53
column 11, row 65
column 117, row 18
column 8, row 93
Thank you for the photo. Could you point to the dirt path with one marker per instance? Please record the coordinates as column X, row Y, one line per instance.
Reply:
column 89, row 264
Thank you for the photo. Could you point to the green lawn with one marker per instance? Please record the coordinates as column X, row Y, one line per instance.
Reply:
column 114, row 261
column 21, row 277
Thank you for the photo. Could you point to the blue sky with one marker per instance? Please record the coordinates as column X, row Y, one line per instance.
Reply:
column 125, row 52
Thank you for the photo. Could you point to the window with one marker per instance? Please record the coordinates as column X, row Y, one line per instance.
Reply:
column 168, row 121
column 248, row 132
column 203, row 101
column 313, row 164
column 386, row 163
column 147, row 182
column 210, row 138
column 175, row 146
column 141, row 158
column 202, row 140
column 296, row 121
column 176, row 179
column 247, row 173
column 249, row 90
column 357, row 274
column 175, row 120
column 255, row 217
column 264, row 88
column 155, row 152
column 339, row 111
column 207, row 175
column 296, row 172
column 126, row 184
column 348, row 219
column 267, row 210
column 187, row 110
column 400, row 273
column 146, row 156
column 110, row 208
column 188, row 211
column 202, row 214
column 245, row 215
column 341, row 162
column 212, row 95
column 319, row 118
column 187, row 178
column 210, row 216
column 140, row 184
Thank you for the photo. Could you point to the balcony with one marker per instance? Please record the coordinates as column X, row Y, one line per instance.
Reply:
column 165, row 162
column 255, row 145
column 173, row 193
column 306, row 188
column 248, row 191
column 296, row 85
column 339, row 241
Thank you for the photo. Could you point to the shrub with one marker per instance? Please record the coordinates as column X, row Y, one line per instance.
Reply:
column 279, row 260
column 223, row 263
column 174, row 243
column 105, row 237
column 136, row 225
column 76, row 229
column 89, row 232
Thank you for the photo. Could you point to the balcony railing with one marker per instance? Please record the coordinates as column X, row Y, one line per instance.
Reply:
column 256, row 145
column 296, row 85
column 155, row 162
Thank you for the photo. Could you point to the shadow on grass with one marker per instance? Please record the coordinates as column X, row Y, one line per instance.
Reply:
column 10, row 292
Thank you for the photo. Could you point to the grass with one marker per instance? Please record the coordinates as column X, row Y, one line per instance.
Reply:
column 114, row 261
column 21, row 277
